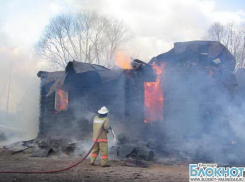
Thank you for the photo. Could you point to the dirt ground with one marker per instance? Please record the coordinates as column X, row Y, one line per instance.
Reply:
column 85, row 172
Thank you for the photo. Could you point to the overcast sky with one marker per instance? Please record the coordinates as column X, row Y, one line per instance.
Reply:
column 157, row 24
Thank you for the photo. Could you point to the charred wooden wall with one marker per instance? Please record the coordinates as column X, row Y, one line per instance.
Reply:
column 51, row 122
column 123, row 96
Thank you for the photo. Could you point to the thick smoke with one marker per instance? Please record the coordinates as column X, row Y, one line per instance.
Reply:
column 21, row 122
column 202, row 120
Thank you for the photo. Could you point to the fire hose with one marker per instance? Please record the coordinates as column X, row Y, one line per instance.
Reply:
column 58, row 170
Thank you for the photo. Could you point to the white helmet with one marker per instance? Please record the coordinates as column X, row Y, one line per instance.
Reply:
column 103, row 110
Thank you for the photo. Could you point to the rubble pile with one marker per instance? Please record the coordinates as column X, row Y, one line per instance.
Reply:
column 137, row 153
column 43, row 147
column 131, row 149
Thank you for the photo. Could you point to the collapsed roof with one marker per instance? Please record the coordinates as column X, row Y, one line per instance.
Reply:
column 104, row 73
column 201, row 52
column 208, row 54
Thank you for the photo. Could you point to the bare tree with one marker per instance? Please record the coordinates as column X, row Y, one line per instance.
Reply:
column 241, row 57
column 85, row 37
column 118, row 34
column 216, row 32
column 233, row 37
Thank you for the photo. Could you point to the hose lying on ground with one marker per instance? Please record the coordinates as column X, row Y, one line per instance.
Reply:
column 59, row 170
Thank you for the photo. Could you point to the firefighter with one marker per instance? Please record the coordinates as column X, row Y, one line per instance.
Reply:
column 101, row 121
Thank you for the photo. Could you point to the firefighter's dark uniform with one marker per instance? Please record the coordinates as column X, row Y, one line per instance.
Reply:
column 102, row 144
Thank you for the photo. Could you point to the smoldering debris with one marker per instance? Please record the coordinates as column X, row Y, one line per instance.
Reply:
column 44, row 147
column 19, row 146
column 139, row 148
column 132, row 151
column 135, row 163
column 179, row 149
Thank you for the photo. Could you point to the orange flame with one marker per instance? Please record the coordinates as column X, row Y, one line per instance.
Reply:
column 62, row 100
column 123, row 61
column 154, row 96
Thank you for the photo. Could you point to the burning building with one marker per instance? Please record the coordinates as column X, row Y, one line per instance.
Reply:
column 193, row 119
column 183, row 87
column 180, row 95
column 69, row 99
column 193, row 89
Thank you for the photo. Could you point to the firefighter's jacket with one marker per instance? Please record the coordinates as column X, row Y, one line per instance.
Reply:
column 98, row 122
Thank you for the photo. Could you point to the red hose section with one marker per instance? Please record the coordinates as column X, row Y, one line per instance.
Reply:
column 55, row 171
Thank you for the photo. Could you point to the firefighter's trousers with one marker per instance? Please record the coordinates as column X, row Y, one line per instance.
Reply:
column 101, row 147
